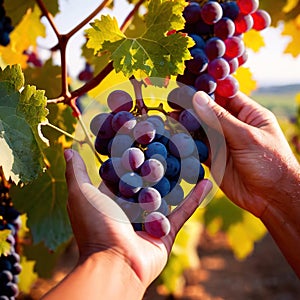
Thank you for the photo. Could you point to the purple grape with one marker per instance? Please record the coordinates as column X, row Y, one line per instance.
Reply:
column 218, row 68
column 123, row 122
column 163, row 186
column 199, row 63
column 130, row 184
column 149, row 199
column 192, row 12
column 157, row 225
column 191, row 170
column 176, row 195
column 132, row 159
column 205, row 83
column 211, row 12
column 152, row 170
column 181, row 145
column 214, row 48
column 158, row 124
column 224, row 28
column 173, row 166
column 199, row 41
column 111, row 170
column 119, row 101
column 144, row 132
column 201, row 151
column 188, row 118
column 230, row 10
column 119, row 144
column 101, row 125
column 164, row 207
column 102, row 145
column 156, row 149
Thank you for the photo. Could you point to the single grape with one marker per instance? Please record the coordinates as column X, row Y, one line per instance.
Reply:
column 218, row 68
column 132, row 158
column 187, row 78
column 130, row 184
column 224, row 28
column 157, row 225
column 181, row 145
column 247, row 6
column 149, row 199
column 119, row 100
column 192, row 12
column 163, row 186
column 214, row 48
column 199, row 63
column 233, row 64
column 243, row 23
column 158, row 124
column 261, row 20
column 227, row 87
column 164, row 207
column 173, row 166
column 123, row 122
column 111, row 170
column 152, row 170
column 211, row 12
column 206, row 83
column 101, row 125
column 144, row 132
column 188, row 118
column 6, row 277
column 191, row 170
column 181, row 97
column 201, row 151
column 102, row 145
column 243, row 58
column 156, row 148
column 199, row 41
column 119, row 144
column 230, row 10
column 235, row 47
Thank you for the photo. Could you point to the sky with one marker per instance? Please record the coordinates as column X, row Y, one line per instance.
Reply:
column 269, row 66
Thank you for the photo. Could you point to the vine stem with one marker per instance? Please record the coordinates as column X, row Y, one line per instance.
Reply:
column 65, row 133
column 140, row 104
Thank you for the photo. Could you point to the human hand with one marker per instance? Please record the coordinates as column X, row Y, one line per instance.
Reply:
column 260, row 166
column 99, row 224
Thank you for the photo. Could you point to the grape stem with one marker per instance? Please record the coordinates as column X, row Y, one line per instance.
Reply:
column 140, row 104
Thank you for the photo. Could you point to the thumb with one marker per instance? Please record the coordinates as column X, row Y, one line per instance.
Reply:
column 216, row 117
column 76, row 173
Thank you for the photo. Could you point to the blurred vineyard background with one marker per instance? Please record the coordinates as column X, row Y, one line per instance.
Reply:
column 222, row 252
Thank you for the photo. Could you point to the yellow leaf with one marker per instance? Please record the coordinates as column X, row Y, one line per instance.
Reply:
column 27, row 277
column 292, row 29
column 239, row 241
column 23, row 36
column 290, row 5
column 298, row 99
column 4, row 245
column 254, row 40
column 247, row 83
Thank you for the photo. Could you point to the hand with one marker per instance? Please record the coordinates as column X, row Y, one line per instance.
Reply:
column 260, row 165
column 96, row 229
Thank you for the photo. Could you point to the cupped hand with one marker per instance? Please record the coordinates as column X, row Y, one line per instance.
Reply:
column 259, row 159
column 99, row 224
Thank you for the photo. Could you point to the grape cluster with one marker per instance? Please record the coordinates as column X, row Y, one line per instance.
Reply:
column 9, row 264
column 217, row 28
column 5, row 26
column 148, row 157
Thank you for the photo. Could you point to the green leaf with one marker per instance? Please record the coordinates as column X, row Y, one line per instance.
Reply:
column 47, row 78
column 44, row 202
column 13, row 75
column 20, row 158
column 4, row 245
column 153, row 52
column 17, row 9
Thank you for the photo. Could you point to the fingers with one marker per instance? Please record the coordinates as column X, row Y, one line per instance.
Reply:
column 183, row 212
column 216, row 117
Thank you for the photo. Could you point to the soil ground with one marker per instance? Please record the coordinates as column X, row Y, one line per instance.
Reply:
column 264, row 275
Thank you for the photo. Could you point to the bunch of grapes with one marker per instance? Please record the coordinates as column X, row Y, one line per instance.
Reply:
column 5, row 26
column 10, row 266
column 217, row 28
column 148, row 157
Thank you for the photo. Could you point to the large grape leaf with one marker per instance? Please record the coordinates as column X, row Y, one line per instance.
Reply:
column 44, row 201
column 153, row 52
column 20, row 113
column 18, row 8
column 23, row 36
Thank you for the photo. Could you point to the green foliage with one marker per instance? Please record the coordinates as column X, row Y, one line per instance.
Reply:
column 154, row 53
column 21, row 157
column 46, row 206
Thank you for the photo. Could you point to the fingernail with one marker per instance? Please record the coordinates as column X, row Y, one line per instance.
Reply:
column 68, row 154
column 201, row 99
